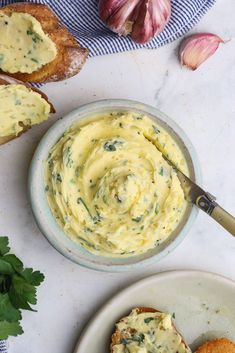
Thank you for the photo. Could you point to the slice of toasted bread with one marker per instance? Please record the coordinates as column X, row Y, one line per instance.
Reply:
column 6, row 80
column 118, row 336
column 70, row 55
column 219, row 345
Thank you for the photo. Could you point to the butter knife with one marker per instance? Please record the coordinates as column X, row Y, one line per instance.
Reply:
column 204, row 200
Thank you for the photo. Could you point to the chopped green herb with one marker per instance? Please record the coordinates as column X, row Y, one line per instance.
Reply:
column 139, row 338
column 137, row 219
column 78, row 171
column 67, row 157
column 119, row 200
column 30, row 32
column 111, row 146
column 35, row 37
column 158, row 242
column 124, row 341
column 1, row 58
column 58, row 178
column 148, row 319
column 95, row 219
column 34, row 60
column 17, row 102
column 120, row 113
column 104, row 199
column 138, row 117
column 173, row 315
column 157, row 131
column 80, row 200
column 161, row 172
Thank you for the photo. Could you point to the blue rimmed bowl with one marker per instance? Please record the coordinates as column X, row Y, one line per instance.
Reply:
column 45, row 219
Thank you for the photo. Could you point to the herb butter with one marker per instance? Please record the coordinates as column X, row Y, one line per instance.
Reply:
column 24, row 47
column 20, row 106
column 149, row 333
column 109, row 187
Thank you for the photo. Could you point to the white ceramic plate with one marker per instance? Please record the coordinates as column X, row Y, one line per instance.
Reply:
column 203, row 303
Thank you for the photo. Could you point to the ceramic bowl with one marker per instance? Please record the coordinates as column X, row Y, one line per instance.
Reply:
column 49, row 226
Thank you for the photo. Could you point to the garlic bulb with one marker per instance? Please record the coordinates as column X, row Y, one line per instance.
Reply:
column 197, row 48
column 142, row 19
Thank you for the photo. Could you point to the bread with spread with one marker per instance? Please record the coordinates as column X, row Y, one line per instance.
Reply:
column 21, row 106
column 218, row 345
column 35, row 46
column 147, row 330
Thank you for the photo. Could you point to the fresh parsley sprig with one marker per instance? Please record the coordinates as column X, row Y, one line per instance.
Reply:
column 17, row 290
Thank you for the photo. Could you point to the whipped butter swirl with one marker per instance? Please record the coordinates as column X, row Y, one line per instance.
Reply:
column 109, row 187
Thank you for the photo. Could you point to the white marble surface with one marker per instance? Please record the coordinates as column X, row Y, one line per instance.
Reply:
column 202, row 102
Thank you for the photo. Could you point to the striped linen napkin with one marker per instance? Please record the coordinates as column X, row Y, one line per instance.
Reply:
column 81, row 18
column 3, row 347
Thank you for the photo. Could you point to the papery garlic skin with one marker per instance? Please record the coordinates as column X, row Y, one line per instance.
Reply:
column 197, row 48
column 117, row 14
column 142, row 19
column 152, row 17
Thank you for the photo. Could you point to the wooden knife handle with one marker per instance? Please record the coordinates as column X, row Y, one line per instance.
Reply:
column 225, row 219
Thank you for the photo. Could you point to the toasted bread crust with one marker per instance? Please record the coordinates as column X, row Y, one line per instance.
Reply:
column 70, row 56
column 5, row 80
column 117, row 337
column 219, row 345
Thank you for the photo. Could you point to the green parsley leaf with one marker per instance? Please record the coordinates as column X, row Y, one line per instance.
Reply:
column 9, row 329
column 17, row 290
column 7, row 311
column 33, row 277
column 4, row 248
column 5, row 268
column 22, row 293
column 14, row 262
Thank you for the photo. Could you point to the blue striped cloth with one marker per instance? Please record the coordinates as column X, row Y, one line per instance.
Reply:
column 81, row 18
column 3, row 347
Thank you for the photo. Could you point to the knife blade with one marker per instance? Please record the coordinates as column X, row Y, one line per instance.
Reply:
column 195, row 194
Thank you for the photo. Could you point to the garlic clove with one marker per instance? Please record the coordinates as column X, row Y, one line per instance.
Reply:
column 117, row 14
column 197, row 48
column 107, row 7
column 151, row 17
column 142, row 30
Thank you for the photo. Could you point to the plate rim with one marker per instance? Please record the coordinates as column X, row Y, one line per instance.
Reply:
column 168, row 273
